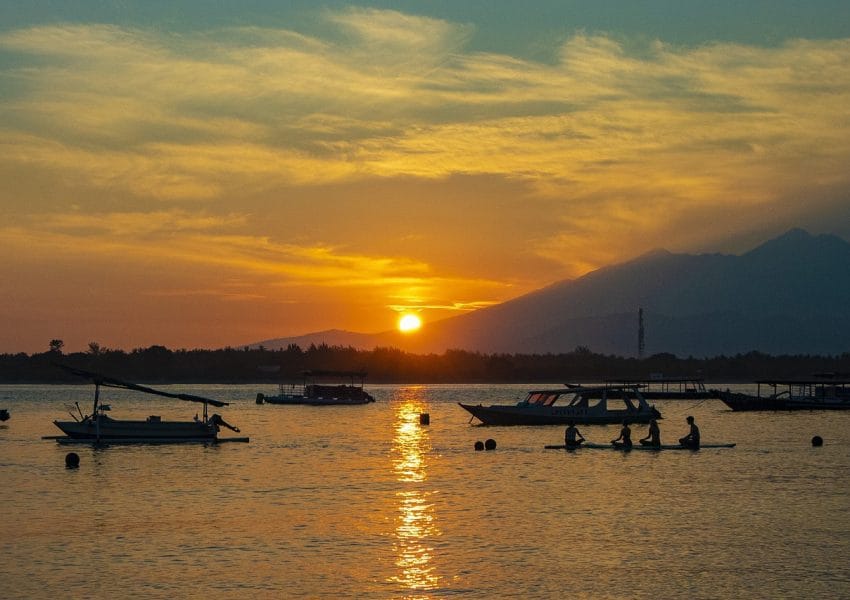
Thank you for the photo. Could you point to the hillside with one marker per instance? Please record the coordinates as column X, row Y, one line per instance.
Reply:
column 791, row 295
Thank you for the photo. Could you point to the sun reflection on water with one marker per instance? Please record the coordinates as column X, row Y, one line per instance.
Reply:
column 415, row 523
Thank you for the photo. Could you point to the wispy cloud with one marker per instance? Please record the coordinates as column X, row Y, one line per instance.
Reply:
column 197, row 115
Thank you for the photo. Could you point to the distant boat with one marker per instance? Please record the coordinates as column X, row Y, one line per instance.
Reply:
column 100, row 427
column 4, row 414
column 666, row 388
column 313, row 393
column 794, row 394
column 540, row 407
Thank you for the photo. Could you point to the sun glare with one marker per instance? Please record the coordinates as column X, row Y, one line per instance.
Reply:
column 408, row 323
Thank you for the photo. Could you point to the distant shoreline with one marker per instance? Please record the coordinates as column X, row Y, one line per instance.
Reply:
column 159, row 365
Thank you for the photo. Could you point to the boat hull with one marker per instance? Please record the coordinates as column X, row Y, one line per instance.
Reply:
column 557, row 415
column 153, row 430
column 312, row 401
column 748, row 402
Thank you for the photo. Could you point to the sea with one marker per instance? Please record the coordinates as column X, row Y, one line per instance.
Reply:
column 369, row 502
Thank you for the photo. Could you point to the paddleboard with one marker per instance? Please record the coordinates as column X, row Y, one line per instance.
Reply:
column 636, row 447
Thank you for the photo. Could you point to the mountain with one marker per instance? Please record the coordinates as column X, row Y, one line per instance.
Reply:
column 331, row 337
column 791, row 295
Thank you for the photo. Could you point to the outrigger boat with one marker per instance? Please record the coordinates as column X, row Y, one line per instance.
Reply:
column 667, row 388
column 796, row 394
column 540, row 407
column 98, row 427
column 309, row 391
column 592, row 446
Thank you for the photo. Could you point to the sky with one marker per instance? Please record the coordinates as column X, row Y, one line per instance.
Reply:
column 209, row 174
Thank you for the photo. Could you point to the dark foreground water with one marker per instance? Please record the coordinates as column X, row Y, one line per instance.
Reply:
column 364, row 502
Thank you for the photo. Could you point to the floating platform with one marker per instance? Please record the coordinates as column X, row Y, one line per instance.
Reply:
column 637, row 447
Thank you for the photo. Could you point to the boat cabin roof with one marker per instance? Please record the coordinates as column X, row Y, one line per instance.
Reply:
column 646, row 380
column 824, row 382
column 579, row 389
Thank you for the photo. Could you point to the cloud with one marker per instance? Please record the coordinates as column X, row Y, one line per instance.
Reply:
column 176, row 238
column 668, row 146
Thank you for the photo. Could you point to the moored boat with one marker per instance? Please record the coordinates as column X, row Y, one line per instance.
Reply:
column 582, row 405
column 99, row 427
column 667, row 388
column 315, row 390
column 793, row 394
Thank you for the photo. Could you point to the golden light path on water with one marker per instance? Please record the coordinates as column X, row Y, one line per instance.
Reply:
column 415, row 521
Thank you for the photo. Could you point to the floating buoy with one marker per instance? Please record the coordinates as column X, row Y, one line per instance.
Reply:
column 424, row 419
column 817, row 441
column 490, row 444
column 479, row 445
column 72, row 460
column 260, row 398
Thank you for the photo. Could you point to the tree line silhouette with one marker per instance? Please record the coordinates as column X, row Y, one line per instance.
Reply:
column 390, row 365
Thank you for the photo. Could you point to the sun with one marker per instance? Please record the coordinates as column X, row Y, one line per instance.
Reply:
column 409, row 323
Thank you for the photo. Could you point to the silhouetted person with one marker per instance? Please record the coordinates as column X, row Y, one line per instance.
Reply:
column 572, row 436
column 692, row 439
column 625, row 439
column 653, row 437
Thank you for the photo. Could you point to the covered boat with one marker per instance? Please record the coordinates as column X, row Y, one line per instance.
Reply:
column 316, row 390
column 581, row 405
column 667, row 388
column 792, row 394
column 100, row 427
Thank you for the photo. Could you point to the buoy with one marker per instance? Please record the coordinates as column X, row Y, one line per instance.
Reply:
column 424, row 419
column 479, row 445
column 490, row 444
column 260, row 398
column 72, row 460
column 817, row 441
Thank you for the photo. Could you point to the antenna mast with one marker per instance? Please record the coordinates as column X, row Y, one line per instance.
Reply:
column 640, row 333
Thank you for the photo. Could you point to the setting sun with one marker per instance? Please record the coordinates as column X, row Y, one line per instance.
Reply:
column 408, row 323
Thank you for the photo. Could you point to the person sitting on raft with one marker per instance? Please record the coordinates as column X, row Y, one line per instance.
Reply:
column 653, row 437
column 625, row 439
column 692, row 439
column 572, row 437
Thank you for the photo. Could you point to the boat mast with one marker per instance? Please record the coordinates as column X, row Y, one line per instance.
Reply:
column 96, row 398
column 94, row 409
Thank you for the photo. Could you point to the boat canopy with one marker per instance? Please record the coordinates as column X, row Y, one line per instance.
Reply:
column 578, row 393
column 827, row 382
column 105, row 381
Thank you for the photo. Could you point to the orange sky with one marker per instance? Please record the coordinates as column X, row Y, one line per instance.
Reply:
column 222, row 186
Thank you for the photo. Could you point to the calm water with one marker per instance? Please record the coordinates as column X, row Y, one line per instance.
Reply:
column 364, row 502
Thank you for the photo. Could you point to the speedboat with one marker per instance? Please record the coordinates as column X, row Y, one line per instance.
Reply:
column 100, row 427
column 311, row 392
column 582, row 405
column 792, row 394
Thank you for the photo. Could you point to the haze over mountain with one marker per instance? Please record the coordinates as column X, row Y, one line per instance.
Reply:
column 791, row 295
